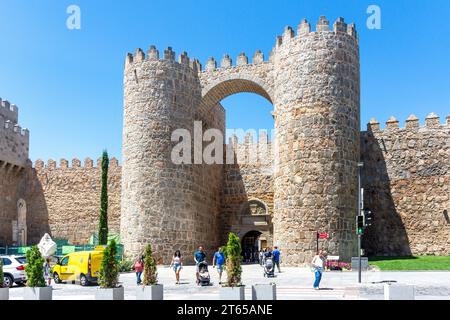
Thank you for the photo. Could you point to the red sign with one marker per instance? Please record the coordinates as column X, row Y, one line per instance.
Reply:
column 323, row 235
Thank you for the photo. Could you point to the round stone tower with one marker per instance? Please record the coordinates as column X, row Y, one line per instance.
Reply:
column 317, row 111
column 160, row 95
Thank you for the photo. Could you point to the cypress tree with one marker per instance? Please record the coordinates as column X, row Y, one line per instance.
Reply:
column 150, row 274
column 103, row 223
column 35, row 268
column 109, row 269
column 233, row 260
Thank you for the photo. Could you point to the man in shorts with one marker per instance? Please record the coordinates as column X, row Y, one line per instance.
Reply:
column 219, row 261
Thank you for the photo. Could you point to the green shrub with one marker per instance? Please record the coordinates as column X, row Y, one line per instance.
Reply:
column 150, row 273
column 109, row 270
column 125, row 265
column 35, row 268
column 1, row 273
column 103, row 222
column 233, row 260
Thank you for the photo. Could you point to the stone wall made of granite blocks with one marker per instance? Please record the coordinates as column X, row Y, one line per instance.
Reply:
column 407, row 187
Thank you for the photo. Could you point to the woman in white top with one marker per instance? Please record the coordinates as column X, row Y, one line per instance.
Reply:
column 318, row 263
column 176, row 264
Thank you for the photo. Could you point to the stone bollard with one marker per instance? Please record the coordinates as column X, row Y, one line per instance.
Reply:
column 398, row 292
column 38, row 293
column 364, row 263
column 154, row 292
column 4, row 293
column 110, row 293
column 264, row 292
column 232, row 293
column 352, row 293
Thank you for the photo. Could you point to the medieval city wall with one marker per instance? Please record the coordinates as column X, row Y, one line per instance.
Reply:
column 406, row 177
column 11, row 189
column 64, row 199
column 14, row 142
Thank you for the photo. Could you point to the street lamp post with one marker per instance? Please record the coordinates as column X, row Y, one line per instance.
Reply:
column 360, row 208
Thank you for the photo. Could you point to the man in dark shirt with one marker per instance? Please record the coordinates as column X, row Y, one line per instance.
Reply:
column 199, row 256
column 276, row 257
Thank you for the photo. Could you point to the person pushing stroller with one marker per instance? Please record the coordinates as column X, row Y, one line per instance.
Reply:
column 268, row 264
column 199, row 258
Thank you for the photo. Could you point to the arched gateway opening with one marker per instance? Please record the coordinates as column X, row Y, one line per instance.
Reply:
column 251, row 245
column 238, row 91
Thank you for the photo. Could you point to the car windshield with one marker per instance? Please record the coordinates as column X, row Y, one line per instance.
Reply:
column 22, row 260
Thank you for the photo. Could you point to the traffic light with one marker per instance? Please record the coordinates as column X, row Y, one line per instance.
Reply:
column 368, row 218
column 359, row 225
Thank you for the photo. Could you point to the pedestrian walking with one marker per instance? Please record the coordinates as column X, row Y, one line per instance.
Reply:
column 138, row 269
column 199, row 256
column 318, row 263
column 268, row 253
column 48, row 272
column 219, row 261
column 261, row 257
column 276, row 257
column 176, row 264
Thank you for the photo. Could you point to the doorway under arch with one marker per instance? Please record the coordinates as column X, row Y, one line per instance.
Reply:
column 251, row 245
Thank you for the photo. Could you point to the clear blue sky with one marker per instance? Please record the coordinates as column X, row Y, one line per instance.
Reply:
column 68, row 83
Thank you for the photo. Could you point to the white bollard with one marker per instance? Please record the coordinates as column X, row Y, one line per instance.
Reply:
column 399, row 292
column 264, row 292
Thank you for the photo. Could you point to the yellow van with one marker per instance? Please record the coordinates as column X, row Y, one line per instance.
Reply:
column 82, row 266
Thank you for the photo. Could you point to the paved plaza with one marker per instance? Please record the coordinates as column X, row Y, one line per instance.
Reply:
column 292, row 284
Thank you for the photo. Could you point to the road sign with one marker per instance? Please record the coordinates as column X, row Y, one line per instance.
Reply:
column 323, row 235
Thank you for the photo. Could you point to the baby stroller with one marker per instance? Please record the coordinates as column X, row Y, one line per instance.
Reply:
column 203, row 278
column 269, row 267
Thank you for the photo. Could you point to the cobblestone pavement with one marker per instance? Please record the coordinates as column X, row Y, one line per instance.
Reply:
column 292, row 284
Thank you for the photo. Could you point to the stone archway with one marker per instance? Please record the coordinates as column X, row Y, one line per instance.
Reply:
column 254, row 228
column 251, row 245
column 218, row 84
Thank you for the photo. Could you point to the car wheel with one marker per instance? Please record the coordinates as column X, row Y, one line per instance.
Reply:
column 56, row 278
column 8, row 281
column 83, row 280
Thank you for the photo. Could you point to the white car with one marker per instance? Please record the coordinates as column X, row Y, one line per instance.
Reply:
column 14, row 270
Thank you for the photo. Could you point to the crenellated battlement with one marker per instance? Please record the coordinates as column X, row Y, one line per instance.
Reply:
column 168, row 55
column 432, row 121
column 303, row 29
column 10, row 128
column 322, row 25
column 14, row 140
column 241, row 60
column 76, row 163
column 249, row 138
column 250, row 151
column 9, row 111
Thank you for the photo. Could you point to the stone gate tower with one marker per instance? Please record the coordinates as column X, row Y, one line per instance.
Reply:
column 317, row 111
column 312, row 80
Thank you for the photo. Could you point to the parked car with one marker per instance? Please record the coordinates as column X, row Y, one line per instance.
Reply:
column 82, row 266
column 14, row 270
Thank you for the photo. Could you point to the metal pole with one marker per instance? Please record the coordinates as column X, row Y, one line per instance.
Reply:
column 359, row 214
column 317, row 241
